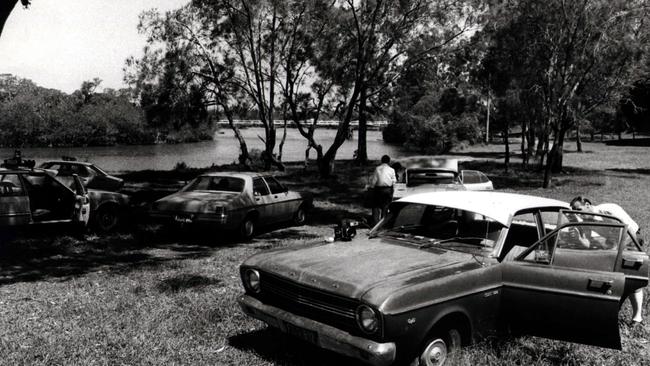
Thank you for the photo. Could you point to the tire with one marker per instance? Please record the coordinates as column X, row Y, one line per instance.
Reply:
column 439, row 348
column 300, row 216
column 106, row 219
column 247, row 228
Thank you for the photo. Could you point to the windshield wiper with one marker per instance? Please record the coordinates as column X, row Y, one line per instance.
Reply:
column 461, row 239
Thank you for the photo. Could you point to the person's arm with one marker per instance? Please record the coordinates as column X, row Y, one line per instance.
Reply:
column 373, row 178
column 393, row 178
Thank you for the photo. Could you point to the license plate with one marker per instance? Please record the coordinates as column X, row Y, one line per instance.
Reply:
column 183, row 219
column 301, row 333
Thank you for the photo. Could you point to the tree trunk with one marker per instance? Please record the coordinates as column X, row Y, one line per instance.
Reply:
column 284, row 135
column 556, row 155
column 362, row 151
column 326, row 165
column 506, row 160
column 244, row 157
column 530, row 137
column 578, row 139
column 524, row 151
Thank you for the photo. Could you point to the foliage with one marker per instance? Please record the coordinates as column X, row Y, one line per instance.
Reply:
column 35, row 116
column 436, row 123
column 567, row 57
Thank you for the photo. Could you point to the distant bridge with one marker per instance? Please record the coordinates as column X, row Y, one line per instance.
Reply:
column 372, row 125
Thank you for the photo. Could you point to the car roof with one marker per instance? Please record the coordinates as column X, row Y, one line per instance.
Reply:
column 67, row 162
column 233, row 174
column 499, row 206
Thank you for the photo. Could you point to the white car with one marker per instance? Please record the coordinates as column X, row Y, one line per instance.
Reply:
column 426, row 174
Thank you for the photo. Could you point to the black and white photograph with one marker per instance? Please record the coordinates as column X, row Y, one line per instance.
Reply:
column 325, row 182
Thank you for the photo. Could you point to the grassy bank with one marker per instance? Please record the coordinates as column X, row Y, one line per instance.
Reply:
column 155, row 298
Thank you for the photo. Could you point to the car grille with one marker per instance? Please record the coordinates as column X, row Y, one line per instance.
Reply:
column 309, row 302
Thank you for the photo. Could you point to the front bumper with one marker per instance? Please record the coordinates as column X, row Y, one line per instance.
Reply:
column 328, row 337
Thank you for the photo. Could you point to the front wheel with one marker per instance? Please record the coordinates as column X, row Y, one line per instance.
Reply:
column 438, row 349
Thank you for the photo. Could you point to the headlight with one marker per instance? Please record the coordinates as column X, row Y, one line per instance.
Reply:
column 367, row 319
column 252, row 280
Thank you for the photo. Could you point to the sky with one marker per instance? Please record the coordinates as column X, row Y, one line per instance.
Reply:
column 60, row 43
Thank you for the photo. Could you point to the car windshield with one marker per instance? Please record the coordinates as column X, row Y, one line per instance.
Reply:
column 416, row 177
column 428, row 226
column 208, row 183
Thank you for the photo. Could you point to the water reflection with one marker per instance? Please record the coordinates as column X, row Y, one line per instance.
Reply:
column 224, row 149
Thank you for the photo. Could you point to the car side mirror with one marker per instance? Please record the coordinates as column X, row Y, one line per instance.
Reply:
column 256, row 194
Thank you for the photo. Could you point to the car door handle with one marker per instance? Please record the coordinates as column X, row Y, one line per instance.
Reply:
column 632, row 261
column 600, row 284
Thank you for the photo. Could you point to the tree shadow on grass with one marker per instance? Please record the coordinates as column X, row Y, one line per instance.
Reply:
column 280, row 349
column 59, row 257
column 185, row 282
column 629, row 142
column 641, row 171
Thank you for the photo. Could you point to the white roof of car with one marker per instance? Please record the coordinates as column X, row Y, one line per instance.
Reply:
column 499, row 206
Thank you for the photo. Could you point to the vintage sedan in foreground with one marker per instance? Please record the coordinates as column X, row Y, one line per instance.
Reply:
column 445, row 269
column 233, row 201
column 427, row 174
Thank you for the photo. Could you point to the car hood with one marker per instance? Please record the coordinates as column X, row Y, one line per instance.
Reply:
column 351, row 269
column 192, row 201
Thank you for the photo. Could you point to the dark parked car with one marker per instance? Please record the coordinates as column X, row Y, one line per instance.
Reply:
column 29, row 197
column 91, row 175
column 35, row 196
column 233, row 201
column 444, row 269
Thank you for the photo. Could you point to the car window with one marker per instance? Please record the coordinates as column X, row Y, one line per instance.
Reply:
column 630, row 244
column 482, row 177
column 471, row 177
column 439, row 226
column 541, row 253
column 593, row 247
column 79, row 170
column 259, row 187
column 274, row 185
column 217, row 183
column 416, row 177
column 549, row 220
column 10, row 185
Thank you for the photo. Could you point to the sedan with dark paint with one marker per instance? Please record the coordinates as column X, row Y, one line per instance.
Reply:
column 445, row 269
column 235, row 201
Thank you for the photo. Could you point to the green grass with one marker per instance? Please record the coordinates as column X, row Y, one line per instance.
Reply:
column 152, row 298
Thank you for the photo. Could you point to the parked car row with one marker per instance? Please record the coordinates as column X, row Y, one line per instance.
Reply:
column 81, row 193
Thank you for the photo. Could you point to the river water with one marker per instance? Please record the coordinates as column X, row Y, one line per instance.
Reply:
column 223, row 149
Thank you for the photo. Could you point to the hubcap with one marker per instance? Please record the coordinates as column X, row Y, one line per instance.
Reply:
column 435, row 354
column 248, row 228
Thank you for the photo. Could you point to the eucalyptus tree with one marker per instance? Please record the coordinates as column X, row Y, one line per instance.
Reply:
column 182, row 59
column 573, row 55
column 368, row 44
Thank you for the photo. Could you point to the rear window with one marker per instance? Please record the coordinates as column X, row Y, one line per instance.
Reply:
column 416, row 177
column 224, row 184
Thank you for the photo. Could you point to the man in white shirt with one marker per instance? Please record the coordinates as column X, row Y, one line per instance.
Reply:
column 382, row 182
column 583, row 204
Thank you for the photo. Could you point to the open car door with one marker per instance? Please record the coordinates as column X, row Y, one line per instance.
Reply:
column 82, row 202
column 566, row 287
column 632, row 260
